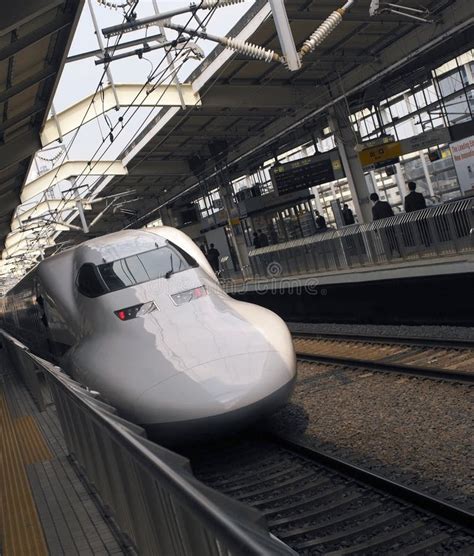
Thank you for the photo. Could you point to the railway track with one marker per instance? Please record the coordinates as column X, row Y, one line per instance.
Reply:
column 318, row 504
column 446, row 360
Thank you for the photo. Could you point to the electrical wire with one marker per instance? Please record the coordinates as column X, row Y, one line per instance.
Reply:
column 128, row 108
column 68, row 148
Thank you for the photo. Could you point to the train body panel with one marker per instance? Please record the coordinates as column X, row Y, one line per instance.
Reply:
column 150, row 328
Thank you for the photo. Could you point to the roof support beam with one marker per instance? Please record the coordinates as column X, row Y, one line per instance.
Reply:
column 68, row 170
column 19, row 148
column 162, row 168
column 25, row 114
column 128, row 95
column 35, row 36
column 258, row 96
column 45, row 73
column 15, row 14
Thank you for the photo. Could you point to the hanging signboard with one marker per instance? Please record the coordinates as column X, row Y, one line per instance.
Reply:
column 381, row 155
column 305, row 173
column 463, row 157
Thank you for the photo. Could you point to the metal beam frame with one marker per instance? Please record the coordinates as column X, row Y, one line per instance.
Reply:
column 68, row 170
column 15, row 14
column 258, row 96
column 128, row 95
column 161, row 168
column 17, row 149
column 45, row 73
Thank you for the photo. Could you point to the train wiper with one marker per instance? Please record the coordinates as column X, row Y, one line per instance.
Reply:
column 171, row 271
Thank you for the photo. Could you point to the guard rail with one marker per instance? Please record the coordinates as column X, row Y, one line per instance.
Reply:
column 433, row 232
column 150, row 491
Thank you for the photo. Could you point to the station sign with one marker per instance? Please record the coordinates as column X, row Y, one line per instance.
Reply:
column 305, row 173
column 381, row 155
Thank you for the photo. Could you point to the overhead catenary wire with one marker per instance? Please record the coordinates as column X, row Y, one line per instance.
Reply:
column 67, row 149
column 123, row 125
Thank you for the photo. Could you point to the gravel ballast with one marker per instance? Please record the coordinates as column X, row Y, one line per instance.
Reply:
column 418, row 432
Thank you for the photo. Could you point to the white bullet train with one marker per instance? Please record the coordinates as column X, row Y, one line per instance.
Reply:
column 140, row 317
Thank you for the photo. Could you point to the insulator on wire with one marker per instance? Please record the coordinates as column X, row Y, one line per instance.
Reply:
column 257, row 52
column 208, row 4
column 116, row 6
column 322, row 32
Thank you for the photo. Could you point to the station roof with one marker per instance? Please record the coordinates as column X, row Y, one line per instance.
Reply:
column 259, row 108
column 34, row 39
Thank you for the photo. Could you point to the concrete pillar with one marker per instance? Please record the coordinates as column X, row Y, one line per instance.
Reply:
column 346, row 141
column 238, row 240
column 426, row 172
column 400, row 181
column 317, row 199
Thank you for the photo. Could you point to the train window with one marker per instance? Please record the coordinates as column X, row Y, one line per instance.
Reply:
column 144, row 267
column 88, row 281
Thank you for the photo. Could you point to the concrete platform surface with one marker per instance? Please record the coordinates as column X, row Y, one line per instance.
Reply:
column 46, row 508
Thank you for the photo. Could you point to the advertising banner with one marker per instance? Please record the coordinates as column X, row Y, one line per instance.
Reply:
column 463, row 156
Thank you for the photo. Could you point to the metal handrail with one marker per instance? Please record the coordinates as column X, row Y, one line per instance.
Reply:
column 150, row 491
column 434, row 231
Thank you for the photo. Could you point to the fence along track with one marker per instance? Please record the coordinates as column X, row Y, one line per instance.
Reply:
column 157, row 503
column 428, row 360
column 433, row 232
column 314, row 508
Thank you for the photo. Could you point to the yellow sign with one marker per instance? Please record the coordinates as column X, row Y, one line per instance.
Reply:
column 235, row 221
column 380, row 153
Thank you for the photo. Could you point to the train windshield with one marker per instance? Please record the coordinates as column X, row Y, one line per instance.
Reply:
column 143, row 267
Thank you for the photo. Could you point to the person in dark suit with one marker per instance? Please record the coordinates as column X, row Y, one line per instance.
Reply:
column 414, row 200
column 213, row 258
column 381, row 209
column 320, row 221
column 347, row 215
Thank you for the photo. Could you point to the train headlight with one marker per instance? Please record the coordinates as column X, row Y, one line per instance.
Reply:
column 188, row 295
column 135, row 311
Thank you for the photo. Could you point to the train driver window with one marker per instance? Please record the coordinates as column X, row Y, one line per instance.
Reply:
column 88, row 281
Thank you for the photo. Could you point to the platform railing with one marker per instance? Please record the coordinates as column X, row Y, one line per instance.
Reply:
column 432, row 232
column 157, row 503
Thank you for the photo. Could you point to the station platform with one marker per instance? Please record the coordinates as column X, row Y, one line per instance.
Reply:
column 422, row 291
column 46, row 508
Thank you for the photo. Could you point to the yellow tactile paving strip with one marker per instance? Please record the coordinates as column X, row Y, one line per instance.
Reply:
column 21, row 444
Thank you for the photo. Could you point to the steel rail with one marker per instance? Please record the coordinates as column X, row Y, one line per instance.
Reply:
column 381, row 366
column 397, row 340
column 436, row 506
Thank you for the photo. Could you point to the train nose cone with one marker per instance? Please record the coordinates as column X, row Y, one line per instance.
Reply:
column 219, row 394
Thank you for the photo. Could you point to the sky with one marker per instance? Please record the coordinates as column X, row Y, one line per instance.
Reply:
column 80, row 79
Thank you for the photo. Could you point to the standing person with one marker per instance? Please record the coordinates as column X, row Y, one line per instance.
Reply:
column 263, row 239
column 414, row 200
column 213, row 258
column 347, row 215
column 320, row 221
column 273, row 236
column 256, row 241
column 381, row 209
